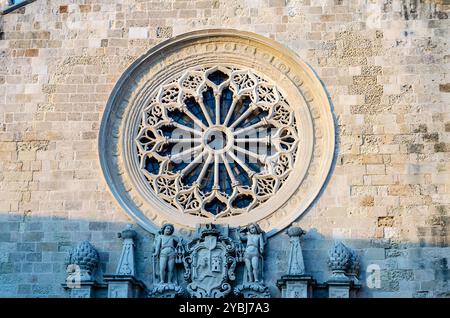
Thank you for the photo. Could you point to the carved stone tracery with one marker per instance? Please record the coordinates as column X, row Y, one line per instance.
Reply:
column 217, row 111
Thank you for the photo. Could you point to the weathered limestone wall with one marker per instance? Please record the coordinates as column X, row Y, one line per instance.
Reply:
column 384, row 63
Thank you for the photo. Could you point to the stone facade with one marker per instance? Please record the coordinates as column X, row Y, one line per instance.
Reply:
column 383, row 63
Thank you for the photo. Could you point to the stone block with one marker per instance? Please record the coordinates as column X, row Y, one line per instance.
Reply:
column 138, row 33
column 374, row 253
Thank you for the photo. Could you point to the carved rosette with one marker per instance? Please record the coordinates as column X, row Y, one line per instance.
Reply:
column 177, row 85
column 338, row 260
column 82, row 261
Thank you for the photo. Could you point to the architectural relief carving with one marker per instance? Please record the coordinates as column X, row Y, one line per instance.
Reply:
column 209, row 264
column 253, row 254
column 165, row 254
column 225, row 83
column 210, row 261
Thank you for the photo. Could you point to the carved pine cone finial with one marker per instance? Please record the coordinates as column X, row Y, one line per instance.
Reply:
column 85, row 256
column 338, row 259
column 354, row 263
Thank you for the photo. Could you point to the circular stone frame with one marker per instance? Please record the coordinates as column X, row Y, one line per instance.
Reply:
column 295, row 78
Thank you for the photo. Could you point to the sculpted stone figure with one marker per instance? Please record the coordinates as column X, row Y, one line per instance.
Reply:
column 166, row 249
column 254, row 250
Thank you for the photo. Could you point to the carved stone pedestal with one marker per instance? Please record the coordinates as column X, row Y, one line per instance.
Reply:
column 296, row 286
column 123, row 286
column 85, row 289
column 252, row 290
column 342, row 288
column 166, row 290
column 339, row 289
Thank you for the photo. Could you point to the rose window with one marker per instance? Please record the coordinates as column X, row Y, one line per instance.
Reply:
column 217, row 141
column 217, row 126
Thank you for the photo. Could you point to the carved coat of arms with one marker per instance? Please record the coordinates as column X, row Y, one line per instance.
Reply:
column 209, row 264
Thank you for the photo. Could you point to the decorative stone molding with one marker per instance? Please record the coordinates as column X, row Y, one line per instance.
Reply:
column 167, row 290
column 209, row 264
column 177, row 72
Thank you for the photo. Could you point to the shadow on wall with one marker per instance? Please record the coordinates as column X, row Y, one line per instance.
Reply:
column 33, row 253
